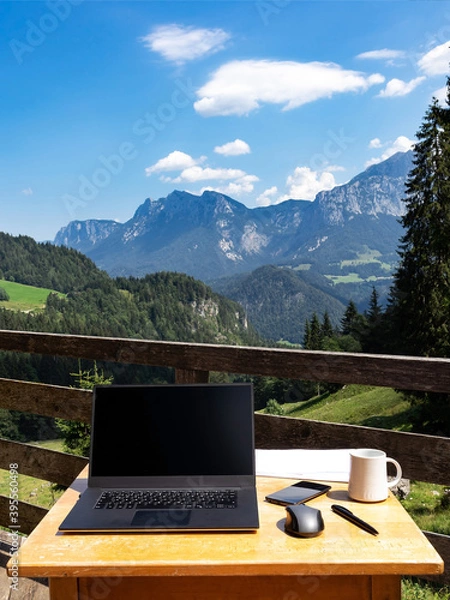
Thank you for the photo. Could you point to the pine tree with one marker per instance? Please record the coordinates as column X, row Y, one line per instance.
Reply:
column 76, row 435
column 307, row 336
column 420, row 296
column 316, row 334
column 349, row 319
column 374, row 311
column 373, row 339
column 419, row 304
column 327, row 327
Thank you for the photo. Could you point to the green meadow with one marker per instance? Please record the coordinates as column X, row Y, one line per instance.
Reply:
column 25, row 298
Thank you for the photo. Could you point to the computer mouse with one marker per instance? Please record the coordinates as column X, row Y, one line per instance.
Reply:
column 303, row 521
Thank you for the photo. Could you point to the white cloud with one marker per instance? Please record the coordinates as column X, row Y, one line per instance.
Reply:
column 233, row 148
column 197, row 173
column 239, row 87
column 305, row 184
column 436, row 61
column 27, row 191
column 401, row 144
column 267, row 197
column 242, row 185
column 228, row 181
column 384, row 54
column 179, row 44
column 397, row 87
column 375, row 143
column 441, row 95
column 174, row 161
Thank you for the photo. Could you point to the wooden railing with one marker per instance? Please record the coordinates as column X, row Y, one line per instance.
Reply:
column 423, row 457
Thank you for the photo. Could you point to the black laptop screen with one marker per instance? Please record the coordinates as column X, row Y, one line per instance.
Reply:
column 172, row 430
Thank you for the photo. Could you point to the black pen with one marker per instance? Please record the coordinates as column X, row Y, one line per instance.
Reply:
column 347, row 514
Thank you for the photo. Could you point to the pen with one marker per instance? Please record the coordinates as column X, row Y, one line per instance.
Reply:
column 347, row 514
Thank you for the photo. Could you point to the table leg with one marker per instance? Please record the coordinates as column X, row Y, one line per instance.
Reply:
column 386, row 587
column 63, row 588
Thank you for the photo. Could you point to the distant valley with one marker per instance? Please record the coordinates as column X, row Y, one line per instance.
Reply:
column 278, row 301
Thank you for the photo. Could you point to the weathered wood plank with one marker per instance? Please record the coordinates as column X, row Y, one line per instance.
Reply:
column 403, row 372
column 423, row 457
column 47, row 400
column 49, row 465
column 29, row 515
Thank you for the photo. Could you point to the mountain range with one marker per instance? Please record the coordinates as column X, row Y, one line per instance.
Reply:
column 352, row 229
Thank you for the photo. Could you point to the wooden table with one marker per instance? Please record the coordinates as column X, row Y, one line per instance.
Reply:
column 344, row 562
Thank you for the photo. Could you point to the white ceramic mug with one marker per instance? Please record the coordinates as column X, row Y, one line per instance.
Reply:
column 368, row 480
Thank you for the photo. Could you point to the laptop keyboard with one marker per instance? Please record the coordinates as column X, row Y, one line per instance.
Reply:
column 171, row 499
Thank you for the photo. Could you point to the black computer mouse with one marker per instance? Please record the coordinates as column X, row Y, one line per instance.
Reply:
column 303, row 521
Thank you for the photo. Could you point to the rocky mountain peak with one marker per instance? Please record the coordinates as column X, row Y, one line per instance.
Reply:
column 380, row 189
column 212, row 235
column 84, row 235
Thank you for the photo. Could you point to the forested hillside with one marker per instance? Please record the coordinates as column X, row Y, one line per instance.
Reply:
column 163, row 306
column 45, row 265
column 168, row 306
column 279, row 300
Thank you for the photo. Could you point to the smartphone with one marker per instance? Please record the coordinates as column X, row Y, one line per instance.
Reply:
column 297, row 493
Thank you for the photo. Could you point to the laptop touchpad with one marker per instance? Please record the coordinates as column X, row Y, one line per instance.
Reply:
column 161, row 519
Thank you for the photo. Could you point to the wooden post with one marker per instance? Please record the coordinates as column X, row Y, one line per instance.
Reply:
column 191, row 376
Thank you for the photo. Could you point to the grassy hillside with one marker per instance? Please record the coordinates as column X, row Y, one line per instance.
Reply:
column 25, row 297
column 357, row 405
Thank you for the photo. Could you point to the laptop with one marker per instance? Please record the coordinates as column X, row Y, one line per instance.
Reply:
column 169, row 458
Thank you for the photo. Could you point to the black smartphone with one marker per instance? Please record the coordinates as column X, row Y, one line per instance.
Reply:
column 297, row 493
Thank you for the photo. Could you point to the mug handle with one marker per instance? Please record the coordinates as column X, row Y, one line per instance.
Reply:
column 398, row 475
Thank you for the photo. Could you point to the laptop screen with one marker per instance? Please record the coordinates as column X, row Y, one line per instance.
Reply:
column 172, row 430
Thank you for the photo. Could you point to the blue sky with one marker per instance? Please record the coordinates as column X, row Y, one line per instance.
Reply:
column 104, row 104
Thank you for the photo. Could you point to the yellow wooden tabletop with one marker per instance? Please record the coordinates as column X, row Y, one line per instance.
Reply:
column 342, row 549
